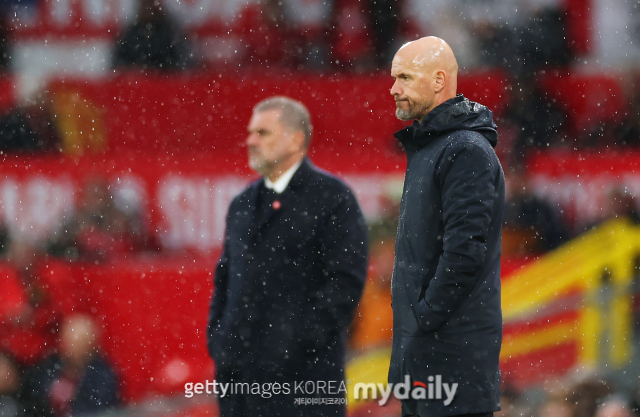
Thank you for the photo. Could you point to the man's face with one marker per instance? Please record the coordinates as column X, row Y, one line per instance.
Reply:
column 77, row 340
column 413, row 89
column 269, row 144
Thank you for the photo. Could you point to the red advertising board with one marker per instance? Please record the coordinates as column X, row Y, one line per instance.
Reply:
column 580, row 183
column 173, row 147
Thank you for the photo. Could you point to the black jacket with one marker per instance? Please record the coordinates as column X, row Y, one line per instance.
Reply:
column 287, row 284
column 447, row 317
column 97, row 390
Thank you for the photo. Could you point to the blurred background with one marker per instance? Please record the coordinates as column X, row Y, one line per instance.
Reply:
column 122, row 127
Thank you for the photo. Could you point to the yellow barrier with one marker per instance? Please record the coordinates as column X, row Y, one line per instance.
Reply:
column 369, row 368
column 580, row 265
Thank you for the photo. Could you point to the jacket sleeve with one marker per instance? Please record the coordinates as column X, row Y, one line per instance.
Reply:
column 343, row 249
column 467, row 179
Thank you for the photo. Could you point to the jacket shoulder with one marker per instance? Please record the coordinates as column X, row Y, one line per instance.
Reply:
column 470, row 142
column 245, row 195
column 326, row 182
column 327, row 191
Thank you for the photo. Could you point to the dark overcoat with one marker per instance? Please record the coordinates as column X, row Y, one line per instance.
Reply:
column 447, row 317
column 286, row 287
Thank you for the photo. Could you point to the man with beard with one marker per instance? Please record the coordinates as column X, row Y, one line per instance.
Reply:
column 447, row 324
column 290, row 275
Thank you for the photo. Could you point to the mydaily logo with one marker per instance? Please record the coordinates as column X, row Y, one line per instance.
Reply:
column 432, row 390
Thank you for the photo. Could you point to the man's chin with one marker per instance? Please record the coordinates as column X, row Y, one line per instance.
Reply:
column 404, row 115
column 255, row 165
column 258, row 166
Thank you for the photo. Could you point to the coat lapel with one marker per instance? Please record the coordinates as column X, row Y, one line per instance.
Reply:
column 271, row 214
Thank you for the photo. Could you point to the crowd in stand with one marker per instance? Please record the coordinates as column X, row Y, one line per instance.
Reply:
column 66, row 376
column 354, row 36
column 589, row 396
column 527, row 41
column 50, row 362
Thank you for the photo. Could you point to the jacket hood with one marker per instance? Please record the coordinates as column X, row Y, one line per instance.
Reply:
column 454, row 114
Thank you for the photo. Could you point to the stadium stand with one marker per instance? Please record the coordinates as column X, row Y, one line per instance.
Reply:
column 168, row 149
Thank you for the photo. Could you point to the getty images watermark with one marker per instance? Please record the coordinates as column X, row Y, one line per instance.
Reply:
column 433, row 389
column 313, row 389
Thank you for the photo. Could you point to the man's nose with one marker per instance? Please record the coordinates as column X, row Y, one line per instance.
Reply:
column 251, row 140
column 395, row 89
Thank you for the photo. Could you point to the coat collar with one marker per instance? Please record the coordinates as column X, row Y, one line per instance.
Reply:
column 298, row 181
column 302, row 175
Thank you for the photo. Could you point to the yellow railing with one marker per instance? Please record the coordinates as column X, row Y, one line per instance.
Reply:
column 369, row 368
column 580, row 265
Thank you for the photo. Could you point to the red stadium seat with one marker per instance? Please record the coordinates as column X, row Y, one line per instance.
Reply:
column 588, row 99
column 12, row 297
column 489, row 88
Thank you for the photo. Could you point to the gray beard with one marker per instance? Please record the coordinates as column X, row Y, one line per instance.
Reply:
column 258, row 165
column 415, row 112
column 404, row 115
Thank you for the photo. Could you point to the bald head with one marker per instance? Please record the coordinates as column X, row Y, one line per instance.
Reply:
column 429, row 54
column 426, row 75
column 78, row 334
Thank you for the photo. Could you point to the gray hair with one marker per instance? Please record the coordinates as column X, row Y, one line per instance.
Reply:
column 293, row 114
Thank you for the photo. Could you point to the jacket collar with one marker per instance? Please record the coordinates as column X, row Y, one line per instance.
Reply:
column 428, row 127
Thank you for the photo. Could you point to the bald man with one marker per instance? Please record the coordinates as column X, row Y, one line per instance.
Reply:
column 447, row 320
column 77, row 380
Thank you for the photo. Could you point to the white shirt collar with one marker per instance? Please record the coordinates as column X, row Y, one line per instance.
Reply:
column 281, row 183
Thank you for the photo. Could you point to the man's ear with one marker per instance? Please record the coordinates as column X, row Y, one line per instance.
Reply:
column 298, row 138
column 440, row 80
